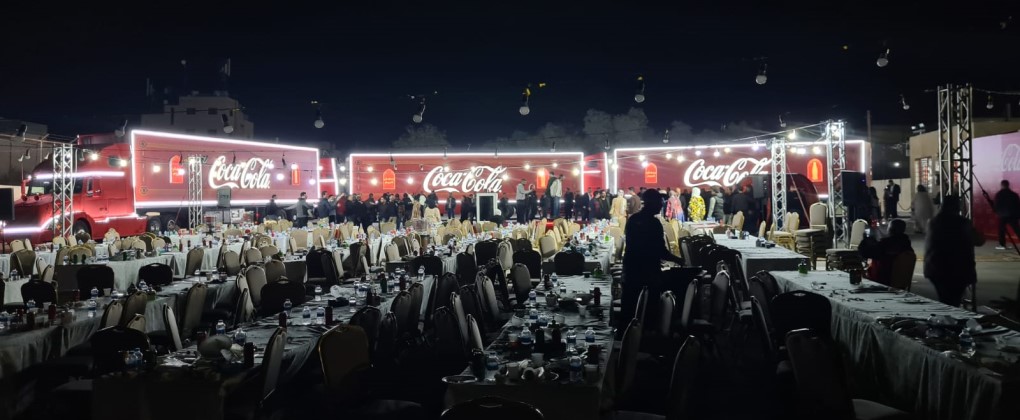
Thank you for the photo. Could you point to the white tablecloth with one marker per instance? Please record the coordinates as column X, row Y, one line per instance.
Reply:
column 757, row 259
column 5, row 262
column 208, row 258
column 899, row 371
column 125, row 273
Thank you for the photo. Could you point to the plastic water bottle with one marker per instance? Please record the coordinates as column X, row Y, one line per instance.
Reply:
column 320, row 315
column 143, row 286
column 491, row 367
column 532, row 298
column 533, row 316
column 318, row 293
column 95, row 293
column 14, row 275
column 421, row 273
column 286, row 307
column 92, row 305
column 589, row 336
column 221, row 328
column 240, row 337
column 139, row 357
column 525, row 337
column 30, row 305
column 306, row 316
column 554, row 279
column 967, row 346
column 576, row 369
column 5, row 318
column 571, row 339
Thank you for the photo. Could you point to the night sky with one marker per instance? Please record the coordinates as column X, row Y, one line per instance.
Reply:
column 83, row 69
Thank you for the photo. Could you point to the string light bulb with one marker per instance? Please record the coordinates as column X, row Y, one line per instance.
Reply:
column 410, row 180
column 156, row 169
column 575, row 172
column 792, row 135
column 639, row 97
column 762, row 76
column 716, row 153
column 697, row 153
column 420, row 115
column 644, row 163
column 555, row 164
column 883, row 59
column 641, row 158
column 680, row 158
column 527, row 166
column 782, row 123
column 227, row 128
column 525, row 99
column 990, row 104
column 319, row 123
column 665, row 137
column 669, row 156
column 903, row 102
column 370, row 169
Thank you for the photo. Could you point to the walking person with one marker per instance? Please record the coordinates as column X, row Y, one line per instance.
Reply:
column 892, row 198
column 302, row 210
column 1007, row 207
column 272, row 210
column 949, row 252
column 324, row 207
column 921, row 209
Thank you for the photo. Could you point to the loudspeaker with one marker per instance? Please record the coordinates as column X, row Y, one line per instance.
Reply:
column 855, row 188
column 6, row 204
column 485, row 203
column 759, row 185
column 223, row 197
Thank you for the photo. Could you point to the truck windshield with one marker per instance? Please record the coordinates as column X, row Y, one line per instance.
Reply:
column 45, row 186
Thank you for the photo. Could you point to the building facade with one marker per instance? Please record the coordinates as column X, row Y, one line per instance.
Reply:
column 202, row 115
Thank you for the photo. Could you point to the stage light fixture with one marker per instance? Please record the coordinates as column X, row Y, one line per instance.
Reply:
column 903, row 103
column 883, row 59
column 227, row 128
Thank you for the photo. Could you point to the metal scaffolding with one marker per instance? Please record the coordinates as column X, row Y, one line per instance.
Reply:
column 835, row 134
column 64, row 162
column 195, row 165
column 956, row 130
column 778, row 175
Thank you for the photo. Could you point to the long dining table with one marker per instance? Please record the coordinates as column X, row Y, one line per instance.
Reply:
column 908, row 372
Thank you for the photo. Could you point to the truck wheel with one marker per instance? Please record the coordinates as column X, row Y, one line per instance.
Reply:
column 81, row 226
column 154, row 225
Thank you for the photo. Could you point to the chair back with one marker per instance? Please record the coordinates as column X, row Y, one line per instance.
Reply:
column 386, row 343
column 257, row 279
column 764, row 327
column 821, row 382
column 194, row 261
column 738, row 221
column 111, row 314
column 23, row 260
column 720, row 294
column 532, row 259
column 447, row 338
column 433, row 265
column 857, row 232
column 800, row 309
column 492, row 408
column 686, row 366
column 466, row 268
column 569, row 263
column 392, row 252
column 252, row 256
column 400, row 307
column 300, row 240
column 314, row 263
column 39, row 291
column 231, row 263
column 547, row 246
column 417, row 292
column 343, row 350
column 134, row 304
column 17, row 245
column 47, row 274
column 244, row 310
column 642, row 305
column 109, row 344
column 276, row 293
column 761, row 229
column 626, row 365
column 474, row 334
column 98, row 276
column 903, row 270
column 338, row 260
column 688, row 306
column 170, row 325
column 458, row 313
column 505, row 254
column 272, row 362
column 194, row 304
column 275, row 270
column 520, row 279
column 486, row 250
column 487, row 294
column 369, row 319
column 155, row 274
column 137, row 323
column 442, row 289
column 268, row 251
column 667, row 310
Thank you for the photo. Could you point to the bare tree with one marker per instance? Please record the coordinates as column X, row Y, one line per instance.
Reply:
column 421, row 136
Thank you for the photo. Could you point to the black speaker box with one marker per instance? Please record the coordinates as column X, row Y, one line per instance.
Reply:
column 855, row 188
column 6, row 204
column 759, row 185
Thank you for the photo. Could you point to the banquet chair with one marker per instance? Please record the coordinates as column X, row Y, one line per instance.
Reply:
column 471, row 301
column 134, row 304
column 505, row 254
column 263, row 406
column 737, row 223
column 172, row 330
column 415, row 245
column 492, row 408
column 474, row 334
column 458, row 312
column 487, row 295
column 137, row 322
column 155, row 274
column 392, row 253
column 275, row 269
column 332, row 271
column 194, row 303
column 147, row 240
column 769, row 283
column 244, row 309
column 764, row 326
column 193, row 262
column 23, row 260
column 569, row 263
column 547, row 246
column 801, row 309
column 903, row 270
column 466, row 268
column 761, row 230
column 401, row 308
column 417, row 291
column 46, row 275
column 439, row 296
column 369, row 318
column 821, row 381
column 111, row 314
column 60, row 241
column 625, row 370
column 433, row 265
column 268, row 251
column 403, row 249
column 520, row 279
column 385, row 353
column 38, row 291
column 338, row 259
column 108, row 345
column 520, row 244
column 470, row 249
column 494, row 272
column 314, row 264
column 300, row 240
column 231, row 263
column 757, row 289
column 276, row 293
column 683, row 380
column 857, row 233
column 17, row 245
column 252, row 256
column 98, row 276
column 642, row 306
column 257, row 279
column 292, row 246
column 532, row 260
column 448, row 342
column 485, row 251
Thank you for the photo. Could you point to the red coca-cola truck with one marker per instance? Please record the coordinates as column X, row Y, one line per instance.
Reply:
column 140, row 182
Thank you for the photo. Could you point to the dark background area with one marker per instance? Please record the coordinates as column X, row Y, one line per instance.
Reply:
column 83, row 68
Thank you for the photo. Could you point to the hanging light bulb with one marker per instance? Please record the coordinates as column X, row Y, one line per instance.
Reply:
column 680, row 158
column 903, row 102
column 606, row 147
column 801, row 150
column 816, row 150
column 575, row 171
column 609, row 161
column 762, row 77
column 553, row 148
column 716, row 153
column 525, row 98
column 697, row 153
column 792, row 135
column 284, row 160
column 641, row 158
column 644, row 163
column 990, row 104
column 293, row 166
column 227, row 128
column 527, row 166
column 343, row 181
column 639, row 97
column 665, row 137
column 156, row 169
column 123, row 163
column 669, row 156
column 122, row 130
column 555, row 164
column 370, row 169
column 311, row 182
column 273, row 166
column 343, row 168
column 883, row 59
column 446, row 168
column 420, row 115
column 782, row 123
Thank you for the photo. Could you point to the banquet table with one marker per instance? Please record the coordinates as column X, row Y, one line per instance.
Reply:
column 904, row 372
column 125, row 273
column 601, row 258
column 5, row 262
column 559, row 399
column 757, row 259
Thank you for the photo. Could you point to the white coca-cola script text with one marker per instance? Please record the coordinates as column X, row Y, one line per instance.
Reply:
column 1011, row 158
column 723, row 175
column 477, row 179
column 249, row 174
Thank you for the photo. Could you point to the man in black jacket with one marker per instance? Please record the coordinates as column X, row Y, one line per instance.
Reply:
column 1007, row 207
column 584, row 205
column 744, row 202
column 892, row 198
column 568, row 204
column 645, row 251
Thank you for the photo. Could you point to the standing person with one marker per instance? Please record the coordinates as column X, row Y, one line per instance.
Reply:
column 371, row 209
column 333, row 200
column 465, row 208
column 503, row 206
column 417, row 212
column 922, row 209
column 696, row 207
column 323, row 208
column 892, row 198
column 532, row 203
column 634, row 202
column 384, row 208
column 728, row 205
column 949, row 252
column 555, row 193
column 568, row 204
column 596, row 205
column 543, row 208
column 674, row 210
column 432, row 201
column 618, row 209
column 1007, row 207
column 451, row 206
column 302, row 210
column 522, row 201
column 717, row 199
column 876, row 210
column 645, row 252
column 584, row 205
column 341, row 209
column 272, row 210
column 742, row 202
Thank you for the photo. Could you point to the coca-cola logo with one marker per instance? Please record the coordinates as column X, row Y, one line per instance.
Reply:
column 476, row 179
column 250, row 174
column 1011, row 158
column 723, row 175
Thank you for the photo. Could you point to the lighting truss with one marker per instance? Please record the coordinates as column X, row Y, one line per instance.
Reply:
column 956, row 130
column 195, row 164
column 835, row 149
column 778, row 175
column 64, row 163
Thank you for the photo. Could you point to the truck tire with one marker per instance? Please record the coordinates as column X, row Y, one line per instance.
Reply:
column 154, row 225
column 80, row 226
